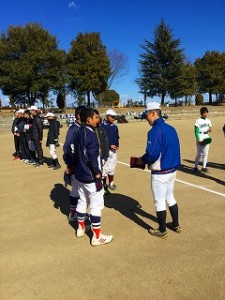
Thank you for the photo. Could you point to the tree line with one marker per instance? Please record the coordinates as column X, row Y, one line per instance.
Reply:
column 32, row 66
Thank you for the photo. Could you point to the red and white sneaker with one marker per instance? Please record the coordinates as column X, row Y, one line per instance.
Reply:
column 102, row 240
column 81, row 231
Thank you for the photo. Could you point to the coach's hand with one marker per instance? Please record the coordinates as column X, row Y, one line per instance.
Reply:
column 99, row 184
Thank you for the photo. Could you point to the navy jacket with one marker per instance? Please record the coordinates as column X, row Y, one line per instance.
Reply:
column 14, row 125
column 103, row 142
column 68, row 147
column 37, row 128
column 20, row 126
column 53, row 132
column 86, row 155
column 163, row 148
column 112, row 132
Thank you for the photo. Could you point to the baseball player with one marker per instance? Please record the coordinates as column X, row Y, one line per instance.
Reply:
column 16, row 136
column 28, row 135
column 53, row 139
column 113, row 137
column 202, row 128
column 87, row 166
column 163, row 157
column 103, row 148
column 68, row 150
column 37, row 134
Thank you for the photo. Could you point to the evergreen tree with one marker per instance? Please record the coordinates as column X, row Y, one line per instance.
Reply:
column 88, row 65
column 31, row 64
column 211, row 73
column 160, row 63
column 108, row 97
column 184, row 84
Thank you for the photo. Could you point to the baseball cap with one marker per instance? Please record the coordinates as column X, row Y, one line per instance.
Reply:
column 21, row 111
column 33, row 108
column 49, row 114
column 111, row 112
column 152, row 106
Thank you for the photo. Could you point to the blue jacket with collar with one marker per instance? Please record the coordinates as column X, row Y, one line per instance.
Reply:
column 86, row 155
column 68, row 145
column 163, row 147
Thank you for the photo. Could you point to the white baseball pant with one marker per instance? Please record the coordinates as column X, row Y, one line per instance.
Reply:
column 162, row 188
column 202, row 151
column 110, row 165
column 90, row 196
column 52, row 151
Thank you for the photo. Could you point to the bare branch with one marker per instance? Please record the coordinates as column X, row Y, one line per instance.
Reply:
column 118, row 65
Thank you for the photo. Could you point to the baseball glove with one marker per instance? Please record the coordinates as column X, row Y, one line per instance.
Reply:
column 134, row 164
column 206, row 141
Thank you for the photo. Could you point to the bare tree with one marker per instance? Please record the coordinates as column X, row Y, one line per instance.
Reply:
column 118, row 65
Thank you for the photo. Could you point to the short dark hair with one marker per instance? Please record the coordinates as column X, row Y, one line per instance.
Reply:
column 158, row 111
column 203, row 110
column 27, row 112
column 78, row 110
column 86, row 113
column 96, row 111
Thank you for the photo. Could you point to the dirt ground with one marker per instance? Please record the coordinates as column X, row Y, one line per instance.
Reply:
column 42, row 259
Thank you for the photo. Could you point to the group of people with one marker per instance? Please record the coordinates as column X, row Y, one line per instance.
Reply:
column 90, row 154
column 27, row 129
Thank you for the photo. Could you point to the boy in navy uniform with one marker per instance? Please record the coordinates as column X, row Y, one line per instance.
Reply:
column 53, row 139
column 68, row 152
column 37, row 135
column 113, row 137
column 87, row 169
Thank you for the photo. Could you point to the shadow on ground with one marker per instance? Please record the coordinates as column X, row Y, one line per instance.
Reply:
column 189, row 170
column 48, row 161
column 60, row 196
column 210, row 164
column 129, row 208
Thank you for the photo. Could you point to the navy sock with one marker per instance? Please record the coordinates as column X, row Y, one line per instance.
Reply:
column 161, row 215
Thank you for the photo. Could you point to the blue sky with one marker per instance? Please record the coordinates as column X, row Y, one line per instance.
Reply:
column 123, row 24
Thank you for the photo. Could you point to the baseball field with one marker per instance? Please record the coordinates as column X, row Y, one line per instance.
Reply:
column 42, row 259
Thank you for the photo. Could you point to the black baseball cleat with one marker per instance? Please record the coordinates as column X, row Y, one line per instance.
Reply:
column 196, row 171
column 205, row 170
column 39, row 165
column 177, row 229
column 57, row 167
column 158, row 233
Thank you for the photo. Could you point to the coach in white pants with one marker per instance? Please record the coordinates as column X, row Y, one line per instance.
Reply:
column 163, row 157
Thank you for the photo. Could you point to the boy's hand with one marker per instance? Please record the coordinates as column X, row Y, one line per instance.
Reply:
column 99, row 184
column 114, row 147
